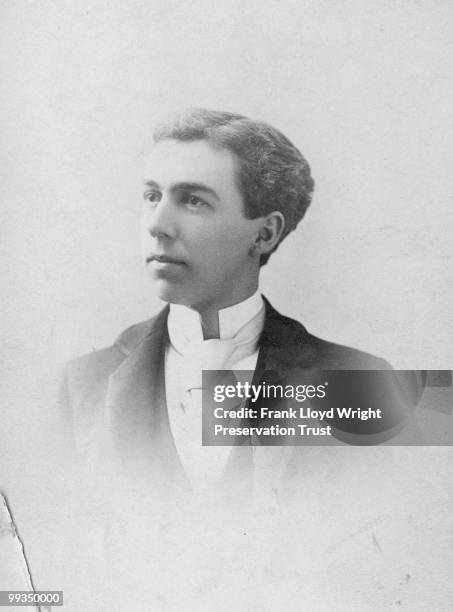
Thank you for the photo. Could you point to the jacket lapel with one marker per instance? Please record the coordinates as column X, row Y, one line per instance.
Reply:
column 282, row 345
column 136, row 416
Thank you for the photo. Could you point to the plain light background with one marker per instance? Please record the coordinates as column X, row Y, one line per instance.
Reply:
column 363, row 89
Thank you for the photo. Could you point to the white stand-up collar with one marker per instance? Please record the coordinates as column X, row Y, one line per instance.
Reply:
column 184, row 324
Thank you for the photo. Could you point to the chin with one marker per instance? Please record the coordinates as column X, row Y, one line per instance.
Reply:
column 171, row 292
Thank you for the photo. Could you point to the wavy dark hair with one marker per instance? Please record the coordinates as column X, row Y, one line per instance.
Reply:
column 273, row 174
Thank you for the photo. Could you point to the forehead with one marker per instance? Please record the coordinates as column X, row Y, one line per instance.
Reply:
column 174, row 161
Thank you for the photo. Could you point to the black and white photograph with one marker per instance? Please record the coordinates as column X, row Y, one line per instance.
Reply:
column 227, row 306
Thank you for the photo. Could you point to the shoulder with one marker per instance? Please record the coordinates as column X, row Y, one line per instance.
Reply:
column 94, row 369
column 341, row 357
column 303, row 349
column 108, row 357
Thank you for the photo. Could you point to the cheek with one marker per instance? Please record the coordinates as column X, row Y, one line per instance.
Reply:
column 203, row 241
column 221, row 242
column 231, row 248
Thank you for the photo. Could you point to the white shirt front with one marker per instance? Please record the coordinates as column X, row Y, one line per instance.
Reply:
column 187, row 355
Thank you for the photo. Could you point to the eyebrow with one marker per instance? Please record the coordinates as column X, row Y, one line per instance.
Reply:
column 186, row 186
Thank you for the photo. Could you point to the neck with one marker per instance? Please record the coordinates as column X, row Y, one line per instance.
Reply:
column 210, row 324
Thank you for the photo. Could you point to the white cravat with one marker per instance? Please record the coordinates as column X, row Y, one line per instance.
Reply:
column 187, row 355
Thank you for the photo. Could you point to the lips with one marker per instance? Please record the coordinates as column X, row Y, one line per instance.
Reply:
column 164, row 259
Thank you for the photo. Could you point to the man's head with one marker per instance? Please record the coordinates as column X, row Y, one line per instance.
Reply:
column 273, row 175
column 222, row 191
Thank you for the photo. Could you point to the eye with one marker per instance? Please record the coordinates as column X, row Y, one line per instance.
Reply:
column 152, row 196
column 193, row 201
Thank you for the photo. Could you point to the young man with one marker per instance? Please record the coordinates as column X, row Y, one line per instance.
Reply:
column 221, row 192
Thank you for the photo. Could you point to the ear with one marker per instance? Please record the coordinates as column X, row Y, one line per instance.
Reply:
column 269, row 233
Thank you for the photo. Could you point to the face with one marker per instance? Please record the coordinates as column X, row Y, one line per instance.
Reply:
column 195, row 237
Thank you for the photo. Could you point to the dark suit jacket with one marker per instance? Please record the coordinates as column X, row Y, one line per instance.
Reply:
column 117, row 399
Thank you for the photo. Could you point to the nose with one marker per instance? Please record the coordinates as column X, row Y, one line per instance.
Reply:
column 160, row 218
